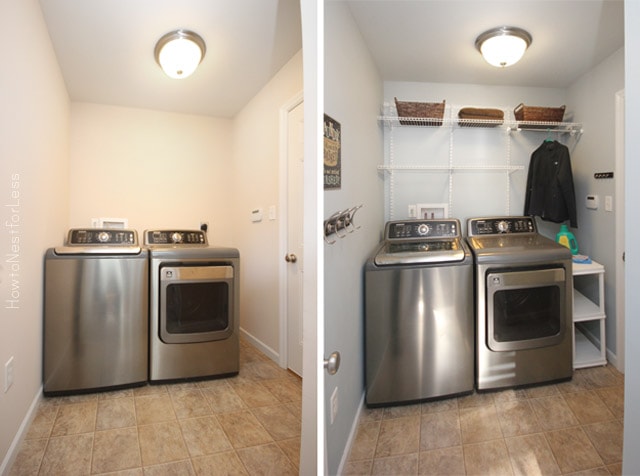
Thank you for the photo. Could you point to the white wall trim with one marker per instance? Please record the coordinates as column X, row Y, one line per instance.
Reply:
column 352, row 436
column 261, row 346
column 20, row 435
column 619, row 229
column 286, row 108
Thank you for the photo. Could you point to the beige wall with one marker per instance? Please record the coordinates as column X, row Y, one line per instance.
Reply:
column 157, row 169
column 256, row 185
column 34, row 133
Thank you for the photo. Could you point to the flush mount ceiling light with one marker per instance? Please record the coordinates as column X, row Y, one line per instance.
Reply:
column 179, row 53
column 503, row 46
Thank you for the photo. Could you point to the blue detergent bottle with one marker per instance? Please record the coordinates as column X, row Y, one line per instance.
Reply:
column 566, row 238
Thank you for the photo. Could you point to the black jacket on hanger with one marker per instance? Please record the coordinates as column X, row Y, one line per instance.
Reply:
column 550, row 193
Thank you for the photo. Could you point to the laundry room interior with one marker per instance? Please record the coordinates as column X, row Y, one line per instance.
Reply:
column 380, row 52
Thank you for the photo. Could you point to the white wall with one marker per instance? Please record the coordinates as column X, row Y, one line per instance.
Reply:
column 158, row 169
column 631, row 456
column 353, row 97
column 33, row 198
column 255, row 184
column 593, row 98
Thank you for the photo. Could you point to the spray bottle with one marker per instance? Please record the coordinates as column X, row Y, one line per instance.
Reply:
column 566, row 238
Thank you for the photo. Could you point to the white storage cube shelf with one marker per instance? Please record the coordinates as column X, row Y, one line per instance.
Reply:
column 589, row 350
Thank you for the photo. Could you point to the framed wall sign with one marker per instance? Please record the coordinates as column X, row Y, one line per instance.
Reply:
column 332, row 154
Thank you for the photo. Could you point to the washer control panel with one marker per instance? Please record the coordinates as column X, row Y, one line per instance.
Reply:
column 102, row 236
column 500, row 226
column 422, row 229
column 175, row 237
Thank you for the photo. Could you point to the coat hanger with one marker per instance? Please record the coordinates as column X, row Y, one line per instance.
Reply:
column 549, row 138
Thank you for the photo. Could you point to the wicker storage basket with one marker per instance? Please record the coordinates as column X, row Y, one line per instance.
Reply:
column 538, row 114
column 420, row 113
column 480, row 117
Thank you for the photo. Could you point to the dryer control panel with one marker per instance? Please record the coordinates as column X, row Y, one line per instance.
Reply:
column 500, row 225
column 175, row 237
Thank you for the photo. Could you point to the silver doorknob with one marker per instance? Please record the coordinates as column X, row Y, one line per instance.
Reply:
column 332, row 364
column 291, row 258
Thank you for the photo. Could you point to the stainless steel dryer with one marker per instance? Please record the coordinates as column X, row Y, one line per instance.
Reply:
column 96, row 312
column 419, row 326
column 194, row 306
column 523, row 303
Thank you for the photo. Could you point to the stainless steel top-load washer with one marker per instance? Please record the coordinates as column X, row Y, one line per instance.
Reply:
column 194, row 306
column 96, row 312
column 523, row 303
column 419, row 325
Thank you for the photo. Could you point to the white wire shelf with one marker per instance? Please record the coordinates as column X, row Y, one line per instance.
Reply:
column 507, row 125
column 450, row 168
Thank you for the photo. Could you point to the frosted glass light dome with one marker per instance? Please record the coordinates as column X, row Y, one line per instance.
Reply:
column 179, row 53
column 503, row 46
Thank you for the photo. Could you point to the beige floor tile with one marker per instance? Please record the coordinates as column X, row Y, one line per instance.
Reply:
column 266, row 460
column 475, row 400
column 435, row 406
column 120, row 393
column 439, row 430
column 204, row 436
column 401, row 411
column 176, row 468
column 603, row 377
column 115, row 413
column 291, row 448
column 227, row 462
column 161, row 443
column 43, row 421
column 68, row 455
column 613, row 398
column 607, row 439
column 371, row 414
column 588, row 407
column 530, row 455
column 517, row 418
column 115, row 450
column 573, row 450
column 364, row 446
column 278, row 421
column 243, row 429
column 358, row 468
column 264, row 370
column 255, row 394
column 223, row 399
column 509, row 395
column 541, row 391
column 489, row 457
column 154, row 408
column 189, row 403
column 285, row 389
column 75, row 418
column 149, row 390
column 29, row 457
column 398, row 436
column 553, row 412
column 402, row 465
column 442, row 461
column 479, row 424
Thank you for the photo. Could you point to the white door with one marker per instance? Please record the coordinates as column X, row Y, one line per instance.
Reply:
column 294, row 250
column 620, row 231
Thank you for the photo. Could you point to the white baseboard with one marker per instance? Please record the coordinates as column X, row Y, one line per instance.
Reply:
column 261, row 346
column 12, row 453
column 352, row 436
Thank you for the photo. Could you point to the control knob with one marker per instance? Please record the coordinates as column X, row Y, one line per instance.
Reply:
column 423, row 229
column 103, row 237
column 503, row 226
column 176, row 237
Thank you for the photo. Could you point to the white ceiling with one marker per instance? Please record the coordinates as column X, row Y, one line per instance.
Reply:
column 434, row 40
column 105, row 50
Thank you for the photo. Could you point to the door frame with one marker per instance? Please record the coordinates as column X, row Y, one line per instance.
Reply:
column 286, row 108
column 620, row 228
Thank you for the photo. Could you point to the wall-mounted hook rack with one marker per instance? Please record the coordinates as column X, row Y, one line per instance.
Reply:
column 340, row 224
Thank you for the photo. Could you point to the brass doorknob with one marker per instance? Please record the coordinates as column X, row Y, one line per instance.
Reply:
column 291, row 258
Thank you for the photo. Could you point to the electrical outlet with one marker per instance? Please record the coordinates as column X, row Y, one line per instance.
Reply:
column 412, row 211
column 334, row 404
column 8, row 374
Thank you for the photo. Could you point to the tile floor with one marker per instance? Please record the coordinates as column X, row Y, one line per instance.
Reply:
column 249, row 424
column 567, row 428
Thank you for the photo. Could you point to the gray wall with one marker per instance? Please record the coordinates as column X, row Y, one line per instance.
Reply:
column 631, row 456
column 353, row 95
